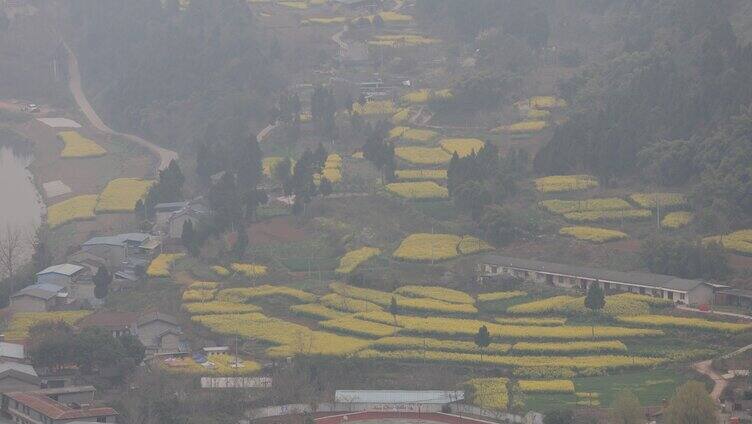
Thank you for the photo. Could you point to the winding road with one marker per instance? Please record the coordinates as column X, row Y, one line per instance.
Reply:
column 74, row 84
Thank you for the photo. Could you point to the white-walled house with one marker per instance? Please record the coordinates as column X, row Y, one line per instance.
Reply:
column 678, row 290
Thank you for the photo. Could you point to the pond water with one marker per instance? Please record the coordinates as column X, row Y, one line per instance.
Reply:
column 21, row 205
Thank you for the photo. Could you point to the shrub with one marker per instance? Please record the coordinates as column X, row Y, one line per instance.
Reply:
column 122, row 194
column 160, row 266
column 546, row 386
column 354, row 258
column 420, row 190
column 79, row 208
column 597, row 235
column 78, row 146
column 562, row 183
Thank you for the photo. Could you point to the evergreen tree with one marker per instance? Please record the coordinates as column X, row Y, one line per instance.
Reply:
column 188, row 238
column 102, row 280
column 482, row 339
column 595, row 300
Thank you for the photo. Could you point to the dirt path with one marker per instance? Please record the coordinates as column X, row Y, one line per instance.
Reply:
column 337, row 38
column 265, row 132
column 706, row 368
column 711, row 312
column 74, row 84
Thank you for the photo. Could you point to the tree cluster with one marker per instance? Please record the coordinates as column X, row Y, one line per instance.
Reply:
column 685, row 258
column 55, row 345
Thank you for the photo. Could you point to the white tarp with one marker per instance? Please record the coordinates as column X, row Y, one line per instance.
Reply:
column 59, row 122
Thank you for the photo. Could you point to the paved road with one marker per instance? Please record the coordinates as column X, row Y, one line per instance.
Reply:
column 74, row 84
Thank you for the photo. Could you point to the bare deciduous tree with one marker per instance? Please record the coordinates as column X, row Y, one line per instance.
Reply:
column 11, row 249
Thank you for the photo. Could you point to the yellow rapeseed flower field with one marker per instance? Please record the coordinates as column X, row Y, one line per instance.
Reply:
column 196, row 295
column 21, row 322
column 298, row 5
column 566, row 206
column 160, row 266
column 458, row 327
column 402, row 115
column 376, row 296
column 424, row 343
column 356, row 327
column 354, row 258
column 577, row 362
column 652, row 200
column 524, row 127
column 324, row 20
column 739, row 241
column 421, row 174
column 317, row 311
column 79, row 208
column 376, row 107
column 245, row 294
column 546, row 386
column 594, row 234
column 426, row 247
column 548, row 305
column 418, row 190
column 249, row 270
column 489, row 393
column 599, row 216
column 220, row 270
column 219, row 364
column 122, row 194
column 462, row 146
column 402, row 40
column 204, row 285
column 217, row 307
column 562, row 183
column 347, row 304
column 684, row 323
column 373, row 298
column 470, row 245
column 675, row 220
column 546, row 321
column 546, row 102
column 417, row 96
column 436, row 292
column 502, row 295
column 569, row 347
column 78, row 146
column 422, row 155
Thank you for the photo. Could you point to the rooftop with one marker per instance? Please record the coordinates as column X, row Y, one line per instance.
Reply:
column 172, row 206
column 156, row 316
column 64, row 269
column 398, row 396
column 12, row 350
column 109, row 319
column 44, row 291
column 638, row 278
column 15, row 366
column 56, row 410
column 117, row 240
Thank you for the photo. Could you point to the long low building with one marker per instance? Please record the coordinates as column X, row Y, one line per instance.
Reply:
column 678, row 290
column 395, row 400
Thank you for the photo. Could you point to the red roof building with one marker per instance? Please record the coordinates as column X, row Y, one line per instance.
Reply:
column 38, row 408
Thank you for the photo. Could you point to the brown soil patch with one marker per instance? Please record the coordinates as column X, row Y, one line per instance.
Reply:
column 275, row 230
column 739, row 262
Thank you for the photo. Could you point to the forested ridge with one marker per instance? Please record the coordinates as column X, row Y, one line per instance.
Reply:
column 167, row 73
column 671, row 107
